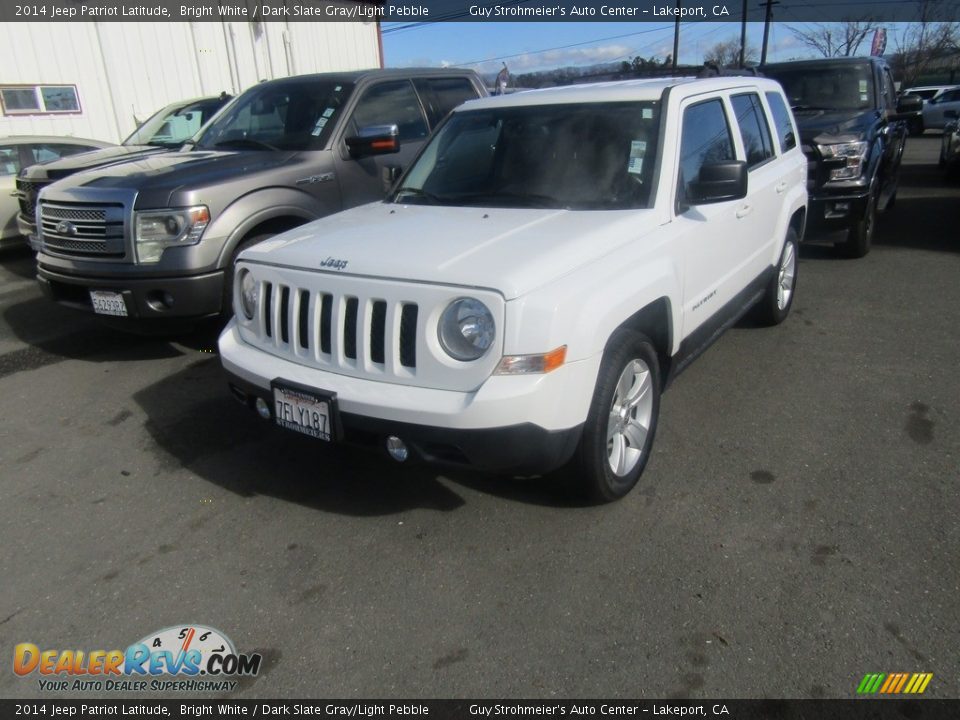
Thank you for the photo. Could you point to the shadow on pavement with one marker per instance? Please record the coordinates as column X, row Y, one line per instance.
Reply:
column 924, row 223
column 19, row 261
column 196, row 424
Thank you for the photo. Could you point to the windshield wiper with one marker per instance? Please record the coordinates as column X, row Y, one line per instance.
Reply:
column 513, row 197
column 246, row 142
column 419, row 193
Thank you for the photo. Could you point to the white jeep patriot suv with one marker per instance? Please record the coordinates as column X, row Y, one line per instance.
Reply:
column 533, row 282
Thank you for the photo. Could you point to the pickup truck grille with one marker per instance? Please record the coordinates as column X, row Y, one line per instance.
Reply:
column 27, row 196
column 94, row 230
column 341, row 330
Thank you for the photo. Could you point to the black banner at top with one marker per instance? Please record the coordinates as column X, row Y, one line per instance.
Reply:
column 475, row 10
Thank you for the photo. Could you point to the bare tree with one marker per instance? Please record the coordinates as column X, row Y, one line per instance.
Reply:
column 727, row 52
column 841, row 39
column 925, row 41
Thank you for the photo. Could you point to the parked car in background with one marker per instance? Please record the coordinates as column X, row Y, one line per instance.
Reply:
column 166, row 129
column 19, row 151
column 950, row 144
column 853, row 131
column 522, row 298
column 150, row 243
column 934, row 110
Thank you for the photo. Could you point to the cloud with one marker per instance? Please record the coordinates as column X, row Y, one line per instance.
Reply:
column 529, row 62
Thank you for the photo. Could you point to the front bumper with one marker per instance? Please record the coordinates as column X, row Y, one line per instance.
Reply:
column 153, row 299
column 29, row 231
column 832, row 211
column 527, row 425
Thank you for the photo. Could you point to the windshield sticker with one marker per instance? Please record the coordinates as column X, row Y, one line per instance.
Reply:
column 318, row 128
column 646, row 113
column 638, row 150
column 329, row 111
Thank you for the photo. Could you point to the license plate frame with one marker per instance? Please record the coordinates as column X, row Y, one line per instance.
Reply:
column 108, row 302
column 293, row 403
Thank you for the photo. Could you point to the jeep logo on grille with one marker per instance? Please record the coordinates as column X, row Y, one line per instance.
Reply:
column 66, row 228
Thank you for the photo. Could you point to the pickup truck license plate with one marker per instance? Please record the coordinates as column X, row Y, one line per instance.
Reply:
column 307, row 411
column 108, row 303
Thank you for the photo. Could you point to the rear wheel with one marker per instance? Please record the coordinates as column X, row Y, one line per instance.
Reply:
column 778, row 298
column 622, row 421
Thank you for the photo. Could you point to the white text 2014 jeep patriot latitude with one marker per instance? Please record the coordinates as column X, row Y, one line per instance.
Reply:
column 546, row 265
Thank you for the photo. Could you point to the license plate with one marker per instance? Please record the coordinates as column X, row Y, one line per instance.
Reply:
column 108, row 303
column 305, row 410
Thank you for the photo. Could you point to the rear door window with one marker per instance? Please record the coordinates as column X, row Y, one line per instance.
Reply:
column 786, row 135
column 754, row 130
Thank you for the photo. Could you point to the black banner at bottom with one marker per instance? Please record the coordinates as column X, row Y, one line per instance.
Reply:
column 887, row 709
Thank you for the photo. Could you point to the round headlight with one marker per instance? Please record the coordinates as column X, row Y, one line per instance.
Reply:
column 248, row 294
column 466, row 329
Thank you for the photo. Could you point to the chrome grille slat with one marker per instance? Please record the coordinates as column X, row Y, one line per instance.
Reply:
column 82, row 229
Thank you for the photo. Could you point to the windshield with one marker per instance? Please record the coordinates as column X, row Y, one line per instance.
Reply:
column 292, row 115
column 832, row 87
column 175, row 124
column 583, row 156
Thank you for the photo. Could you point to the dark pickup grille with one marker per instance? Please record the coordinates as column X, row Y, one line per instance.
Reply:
column 299, row 319
column 83, row 230
column 27, row 196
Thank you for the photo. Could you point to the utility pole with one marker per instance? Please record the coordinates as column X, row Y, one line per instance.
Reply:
column 743, row 34
column 766, row 28
column 676, row 38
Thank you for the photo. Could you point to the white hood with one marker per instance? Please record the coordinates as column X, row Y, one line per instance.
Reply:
column 510, row 250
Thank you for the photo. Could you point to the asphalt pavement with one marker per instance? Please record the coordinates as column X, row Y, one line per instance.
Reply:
column 796, row 528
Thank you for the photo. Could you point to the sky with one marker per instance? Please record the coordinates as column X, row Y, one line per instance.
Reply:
column 527, row 47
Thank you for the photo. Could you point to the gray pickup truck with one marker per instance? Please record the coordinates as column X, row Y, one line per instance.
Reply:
column 150, row 244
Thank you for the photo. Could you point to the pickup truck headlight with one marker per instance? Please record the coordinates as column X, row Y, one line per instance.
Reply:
column 466, row 329
column 156, row 230
column 853, row 153
column 248, row 294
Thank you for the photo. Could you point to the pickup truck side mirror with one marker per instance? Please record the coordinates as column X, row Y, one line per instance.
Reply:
column 719, row 182
column 909, row 104
column 374, row 140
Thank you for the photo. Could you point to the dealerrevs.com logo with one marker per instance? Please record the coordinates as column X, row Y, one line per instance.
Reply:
column 178, row 658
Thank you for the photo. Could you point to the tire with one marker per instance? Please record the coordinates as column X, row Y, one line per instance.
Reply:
column 226, row 304
column 860, row 236
column 777, row 300
column 915, row 127
column 622, row 420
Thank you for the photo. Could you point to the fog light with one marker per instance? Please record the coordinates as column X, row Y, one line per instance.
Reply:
column 397, row 448
column 263, row 410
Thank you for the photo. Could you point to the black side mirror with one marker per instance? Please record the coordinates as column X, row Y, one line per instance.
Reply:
column 374, row 140
column 909, row 104
column 719, row 182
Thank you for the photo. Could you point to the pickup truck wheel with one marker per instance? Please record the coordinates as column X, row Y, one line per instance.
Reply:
column 778, row 298
column 915, row 126
column 622, row 421
column 860, row 236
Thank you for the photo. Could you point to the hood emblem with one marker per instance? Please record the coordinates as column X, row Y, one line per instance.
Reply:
column 66, row 228
column 334, row 263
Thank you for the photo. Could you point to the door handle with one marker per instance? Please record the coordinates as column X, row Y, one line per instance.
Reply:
column 742, row 212
column 781, row 186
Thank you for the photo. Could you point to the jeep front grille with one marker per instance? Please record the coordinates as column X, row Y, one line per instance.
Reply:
column 342, row 330
column 82, row 229
column 27, row 196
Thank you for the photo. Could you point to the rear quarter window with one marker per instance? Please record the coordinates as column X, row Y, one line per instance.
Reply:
column 786, row 134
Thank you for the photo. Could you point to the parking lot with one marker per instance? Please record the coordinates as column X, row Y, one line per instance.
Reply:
column 796, row 528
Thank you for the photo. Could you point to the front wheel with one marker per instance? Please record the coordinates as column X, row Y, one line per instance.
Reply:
column 622, row 421
column 860, row 236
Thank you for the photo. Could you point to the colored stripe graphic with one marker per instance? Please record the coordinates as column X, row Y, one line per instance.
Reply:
column 894, row 683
